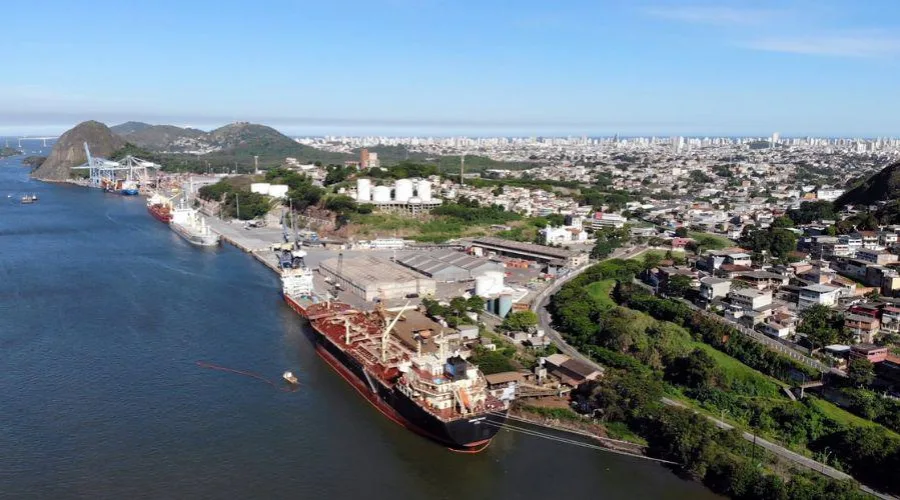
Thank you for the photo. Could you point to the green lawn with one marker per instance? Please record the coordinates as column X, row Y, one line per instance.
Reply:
column 600, row 290
column 842, row 416
column 740, row 374
column 711, row 241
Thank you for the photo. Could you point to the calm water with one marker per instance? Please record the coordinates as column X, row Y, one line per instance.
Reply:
column 104, row 313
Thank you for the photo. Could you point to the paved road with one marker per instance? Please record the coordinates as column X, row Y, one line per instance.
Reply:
column 545, row 320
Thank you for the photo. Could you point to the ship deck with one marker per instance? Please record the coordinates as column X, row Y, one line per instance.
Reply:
column 364, row 331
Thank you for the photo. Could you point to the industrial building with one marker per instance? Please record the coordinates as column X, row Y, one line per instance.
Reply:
column 530, row 251
column 448, row 265
column 372, row 277
column 406, row 195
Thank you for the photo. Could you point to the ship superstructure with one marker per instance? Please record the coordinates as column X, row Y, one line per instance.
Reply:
column 188, row 223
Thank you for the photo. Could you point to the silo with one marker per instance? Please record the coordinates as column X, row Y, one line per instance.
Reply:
column 381, row 194
column 504, row 305
column 363, row 190
column 423, row 190
column 483, row 285
column 496, row 280
column 403, row 190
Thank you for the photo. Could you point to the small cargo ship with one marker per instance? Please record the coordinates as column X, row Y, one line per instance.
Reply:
column 190, row 225
column 29, row 199
column 160, row 208
column 129, row 188
column 398, row 361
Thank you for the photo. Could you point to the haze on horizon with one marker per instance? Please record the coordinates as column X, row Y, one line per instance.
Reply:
column 431, row 67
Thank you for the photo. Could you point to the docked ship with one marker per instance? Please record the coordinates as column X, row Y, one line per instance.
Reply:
column 398, row 361
column 160, row 208
column 190, row 225
column 129, row 188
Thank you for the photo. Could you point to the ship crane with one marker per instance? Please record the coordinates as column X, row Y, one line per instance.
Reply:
column 387, row 331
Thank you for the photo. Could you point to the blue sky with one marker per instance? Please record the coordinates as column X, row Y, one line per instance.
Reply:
column 439, row 67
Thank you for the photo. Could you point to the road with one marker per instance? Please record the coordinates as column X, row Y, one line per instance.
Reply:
column 539, row 306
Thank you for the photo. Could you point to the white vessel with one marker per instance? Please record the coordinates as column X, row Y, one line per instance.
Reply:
column 188, row 223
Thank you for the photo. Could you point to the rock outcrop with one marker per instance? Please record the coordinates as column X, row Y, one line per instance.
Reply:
column 68, row 151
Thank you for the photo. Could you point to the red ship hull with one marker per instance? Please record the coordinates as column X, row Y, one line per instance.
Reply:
column 160, row 213
column 467, row 435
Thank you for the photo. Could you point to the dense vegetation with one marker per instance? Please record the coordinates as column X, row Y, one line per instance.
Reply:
column 235, row 202
column 663, row 346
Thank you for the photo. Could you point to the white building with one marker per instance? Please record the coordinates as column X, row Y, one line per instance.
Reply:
column 829, row 194
column 601, row 220
column 387, row 244
column 749, row 299
column 562, row 234
column 817, row 294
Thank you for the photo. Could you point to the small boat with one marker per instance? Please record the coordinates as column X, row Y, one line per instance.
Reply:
column 33, row 197
column 290, row 378
column 27, row 199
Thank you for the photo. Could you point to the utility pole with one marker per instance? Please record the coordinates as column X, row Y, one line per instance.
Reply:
column 237, row 200
column 255, row 164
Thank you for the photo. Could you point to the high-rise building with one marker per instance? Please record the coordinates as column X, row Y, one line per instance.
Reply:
column 775, row 137
column 364, row 158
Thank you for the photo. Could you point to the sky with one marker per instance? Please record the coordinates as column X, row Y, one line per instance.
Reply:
column 456, row 67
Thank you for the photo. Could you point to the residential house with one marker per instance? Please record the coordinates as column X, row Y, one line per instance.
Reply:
column 817, row 294
column 872, row 352
column 714, row 288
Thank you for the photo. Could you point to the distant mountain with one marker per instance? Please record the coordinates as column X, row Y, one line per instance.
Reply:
column 882, row 186
column 170, row 139
column 68, row 151
column 128, row 128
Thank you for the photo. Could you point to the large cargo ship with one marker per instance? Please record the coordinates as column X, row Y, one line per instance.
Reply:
column 190, row 225
column 160, row 208
column 399, row 362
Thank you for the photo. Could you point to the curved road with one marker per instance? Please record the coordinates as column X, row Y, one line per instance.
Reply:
column 539, row 306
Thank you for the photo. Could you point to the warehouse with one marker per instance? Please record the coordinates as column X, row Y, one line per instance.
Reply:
column 447, row 265
column 530, row 251
column 371, row 278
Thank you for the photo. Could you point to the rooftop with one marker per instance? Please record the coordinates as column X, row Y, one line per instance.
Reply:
column 817, row 288
column 368, row 270
column 558, row 253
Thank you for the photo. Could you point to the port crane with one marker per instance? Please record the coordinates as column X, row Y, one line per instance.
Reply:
column 104, row 173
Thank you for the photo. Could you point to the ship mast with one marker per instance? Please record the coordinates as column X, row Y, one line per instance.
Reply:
column 387, row 331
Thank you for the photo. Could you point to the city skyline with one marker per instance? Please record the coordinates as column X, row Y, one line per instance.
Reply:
column 403, row 67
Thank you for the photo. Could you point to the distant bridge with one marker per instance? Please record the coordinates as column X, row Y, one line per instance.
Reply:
column 42, row 139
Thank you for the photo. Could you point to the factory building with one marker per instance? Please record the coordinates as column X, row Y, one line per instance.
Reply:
column 448, row 265
column 372, row 277
column 530, row 251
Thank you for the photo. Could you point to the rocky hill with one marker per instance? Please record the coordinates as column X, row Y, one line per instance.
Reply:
column 882, row 186
column 170, row 139
column 68, row 151
column 128, row 128
column 6, row 151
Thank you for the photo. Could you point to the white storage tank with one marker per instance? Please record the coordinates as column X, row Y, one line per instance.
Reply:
column 278, row 190
column 381, row 194
column 260, row 187
column 496, row 278
column 363, row 190
column 423, row 190
column 403, row 190
column 483, row 286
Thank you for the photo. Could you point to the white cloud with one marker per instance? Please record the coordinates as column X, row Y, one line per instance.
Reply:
column 839, row 45
column 713, row 14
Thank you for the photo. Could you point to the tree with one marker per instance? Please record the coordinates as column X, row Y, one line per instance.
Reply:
column 822, row 325
column 783, row 221
column 651, row 260
column 861, row 372
column 681, row 232
column 697, row 370
column 678, row 285
column 475, row 304
column 520, row 321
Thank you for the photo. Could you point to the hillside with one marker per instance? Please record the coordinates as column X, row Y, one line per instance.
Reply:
column 170, row 138
column 882, row 186
column 127, row 128
column 68, row 151
column 241, row 141
column 5, row 152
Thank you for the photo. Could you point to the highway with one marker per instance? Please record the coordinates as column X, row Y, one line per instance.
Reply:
column 545, row 321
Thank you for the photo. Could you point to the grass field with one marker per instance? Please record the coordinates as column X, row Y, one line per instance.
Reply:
column 600, row 290
column 711, row 241
column 739, row 374
column 842, row 416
